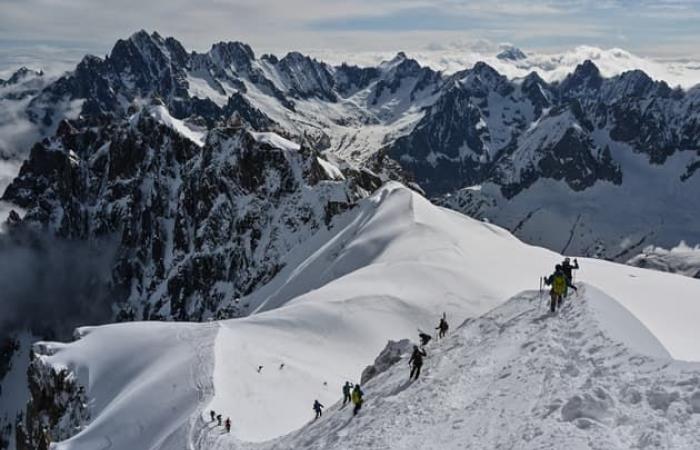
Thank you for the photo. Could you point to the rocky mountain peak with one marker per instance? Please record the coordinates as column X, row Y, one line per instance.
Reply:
column 586, row 76
column 23, row 73
column 233, row 54
column 511, row 53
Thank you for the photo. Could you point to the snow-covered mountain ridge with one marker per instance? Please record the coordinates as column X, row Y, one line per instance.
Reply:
column 383, row 269
column 593, row 130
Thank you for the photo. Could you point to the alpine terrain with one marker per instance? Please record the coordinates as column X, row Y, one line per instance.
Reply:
column 199, row 250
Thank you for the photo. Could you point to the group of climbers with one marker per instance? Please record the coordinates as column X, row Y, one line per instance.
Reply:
column 217, row 418
column 353, row 393
column 416, row 360
column 560, row 281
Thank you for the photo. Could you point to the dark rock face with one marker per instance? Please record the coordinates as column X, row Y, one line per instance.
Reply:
column 350, row 79
column 57, row 410
column 449, row 125
column 405, row 71
column 390, row 355
column 198, row 227
column 306, row 77
column 461, row 140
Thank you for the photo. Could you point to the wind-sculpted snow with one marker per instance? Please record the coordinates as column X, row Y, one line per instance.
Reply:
column 380, row 272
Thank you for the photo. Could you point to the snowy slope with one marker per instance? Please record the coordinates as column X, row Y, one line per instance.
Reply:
column 386, row 268
column 518, row 378
column 145, row 381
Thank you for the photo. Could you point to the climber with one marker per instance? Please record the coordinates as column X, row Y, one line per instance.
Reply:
column 213, row 415
column 357, row 399
column 260, row 369
column 558, row 282
column 281, row 366
column 442, row 327
column 347, row 388
column 416, row 362
column 228, row 424
column 218, row 419
column 568, row 269
column 424, row 338
column 317, row 408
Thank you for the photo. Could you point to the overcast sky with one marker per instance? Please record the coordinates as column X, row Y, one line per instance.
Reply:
column 63, row 30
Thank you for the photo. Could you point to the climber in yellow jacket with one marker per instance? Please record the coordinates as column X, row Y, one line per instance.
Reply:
column 558, row 282
column 357, row 399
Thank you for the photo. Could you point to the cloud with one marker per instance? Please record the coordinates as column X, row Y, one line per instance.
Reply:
column 51, row 286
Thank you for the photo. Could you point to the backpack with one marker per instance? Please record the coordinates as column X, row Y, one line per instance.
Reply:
column 357, row 396
column 559, row 283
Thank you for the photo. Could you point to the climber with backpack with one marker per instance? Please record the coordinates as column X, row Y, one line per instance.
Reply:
column 228, row 424
column 357, row 399
column 442, row 327
column 558, row 282
column 416, row 362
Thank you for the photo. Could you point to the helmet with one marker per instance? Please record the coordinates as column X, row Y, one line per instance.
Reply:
column 557, row 267
column 567, row 259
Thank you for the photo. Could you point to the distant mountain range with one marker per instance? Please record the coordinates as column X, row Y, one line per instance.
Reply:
column 209, row 166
